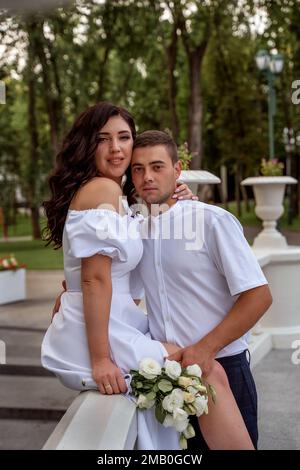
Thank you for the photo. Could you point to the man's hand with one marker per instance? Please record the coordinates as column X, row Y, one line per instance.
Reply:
column 58, row 301
column 195, row 354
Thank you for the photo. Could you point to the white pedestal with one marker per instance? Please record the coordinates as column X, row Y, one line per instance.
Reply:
column 194, row 177
column 282, row 270
column 269, row 193
column 12, row 285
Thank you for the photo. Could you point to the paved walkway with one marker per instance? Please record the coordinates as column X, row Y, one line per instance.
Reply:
column 278, row 384
column 30, row 404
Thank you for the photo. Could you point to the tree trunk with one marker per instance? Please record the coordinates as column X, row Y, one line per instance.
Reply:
column 171, row 51
column 35, row 222
column 5, row 231
column 102, row 74
column 223, row 187
column 3, row 224
column 125, row 84
column 33, row 149
column 195, row 55
column 195, row 110
column 245, row 198
column 36, row 36
column 237, row 179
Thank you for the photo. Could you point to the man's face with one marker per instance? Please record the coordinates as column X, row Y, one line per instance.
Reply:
column 153, row 173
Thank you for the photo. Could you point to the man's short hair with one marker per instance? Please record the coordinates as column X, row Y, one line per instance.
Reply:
column 153, row 138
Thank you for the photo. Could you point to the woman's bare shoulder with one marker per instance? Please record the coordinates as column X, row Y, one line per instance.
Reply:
column 99, row 191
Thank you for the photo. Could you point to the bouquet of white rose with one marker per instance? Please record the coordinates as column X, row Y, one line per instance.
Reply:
column 176, row 394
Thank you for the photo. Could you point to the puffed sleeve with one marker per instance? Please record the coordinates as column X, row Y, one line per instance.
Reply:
column 97, row 231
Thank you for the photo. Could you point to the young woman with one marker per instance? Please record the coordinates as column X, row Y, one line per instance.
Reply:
column 99, row 333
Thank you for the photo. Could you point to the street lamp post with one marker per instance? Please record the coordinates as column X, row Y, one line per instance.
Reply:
column 271, row 65
column 291, row 141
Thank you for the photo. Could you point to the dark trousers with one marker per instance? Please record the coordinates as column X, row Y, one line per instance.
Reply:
column 243, row 388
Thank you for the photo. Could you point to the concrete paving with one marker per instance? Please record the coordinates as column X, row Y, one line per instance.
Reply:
column 22, row 325
column 23, row 434
column 278, row 385
column 42, row 393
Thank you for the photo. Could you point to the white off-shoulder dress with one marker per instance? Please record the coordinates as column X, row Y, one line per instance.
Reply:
column 65, row 349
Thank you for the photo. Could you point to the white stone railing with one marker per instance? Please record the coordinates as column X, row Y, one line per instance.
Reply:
column 96, row 422
column 280, row 326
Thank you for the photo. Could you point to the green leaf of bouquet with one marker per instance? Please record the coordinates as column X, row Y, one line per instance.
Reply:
column 139, row 385
column 146, row 387
column 151, row 396
column 212, row 392
column 165, row 385
column 160, row 413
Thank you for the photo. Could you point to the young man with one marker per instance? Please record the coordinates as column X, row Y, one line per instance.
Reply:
column 204, row 288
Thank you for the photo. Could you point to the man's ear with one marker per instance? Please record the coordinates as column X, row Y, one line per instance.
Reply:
column 177, row 168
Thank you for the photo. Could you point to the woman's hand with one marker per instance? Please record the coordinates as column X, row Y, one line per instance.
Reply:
column 183, row 192
column 58, row 301
column 109, row 377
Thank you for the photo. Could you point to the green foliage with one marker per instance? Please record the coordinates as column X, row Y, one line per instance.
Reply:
column 250, row 219
column 184, row 156
column 271, row 167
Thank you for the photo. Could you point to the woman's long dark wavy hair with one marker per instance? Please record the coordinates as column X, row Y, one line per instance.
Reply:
column 75, row 165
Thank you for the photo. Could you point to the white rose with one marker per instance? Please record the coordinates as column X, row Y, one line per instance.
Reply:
column 189, row 432
column 143, row 402
column 200, row 405
column 173, row 369
column 188, row 397
column 149, row 368
column 192, row 390
column 181, row 420
column 168, row 421
column 199, row 387
column 173, row 400
column 194, row 370
column 185, row 381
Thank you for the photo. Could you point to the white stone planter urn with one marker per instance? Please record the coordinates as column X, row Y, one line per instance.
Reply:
column 194, row 177
column 12, row 285
column 269, row 194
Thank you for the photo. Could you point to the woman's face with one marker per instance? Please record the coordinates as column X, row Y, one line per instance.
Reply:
column 114, row 150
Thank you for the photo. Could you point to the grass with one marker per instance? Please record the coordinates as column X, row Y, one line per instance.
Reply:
column 250, row 219
column 33, row 254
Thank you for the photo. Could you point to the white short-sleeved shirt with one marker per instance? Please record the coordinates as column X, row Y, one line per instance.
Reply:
column 194, row 266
